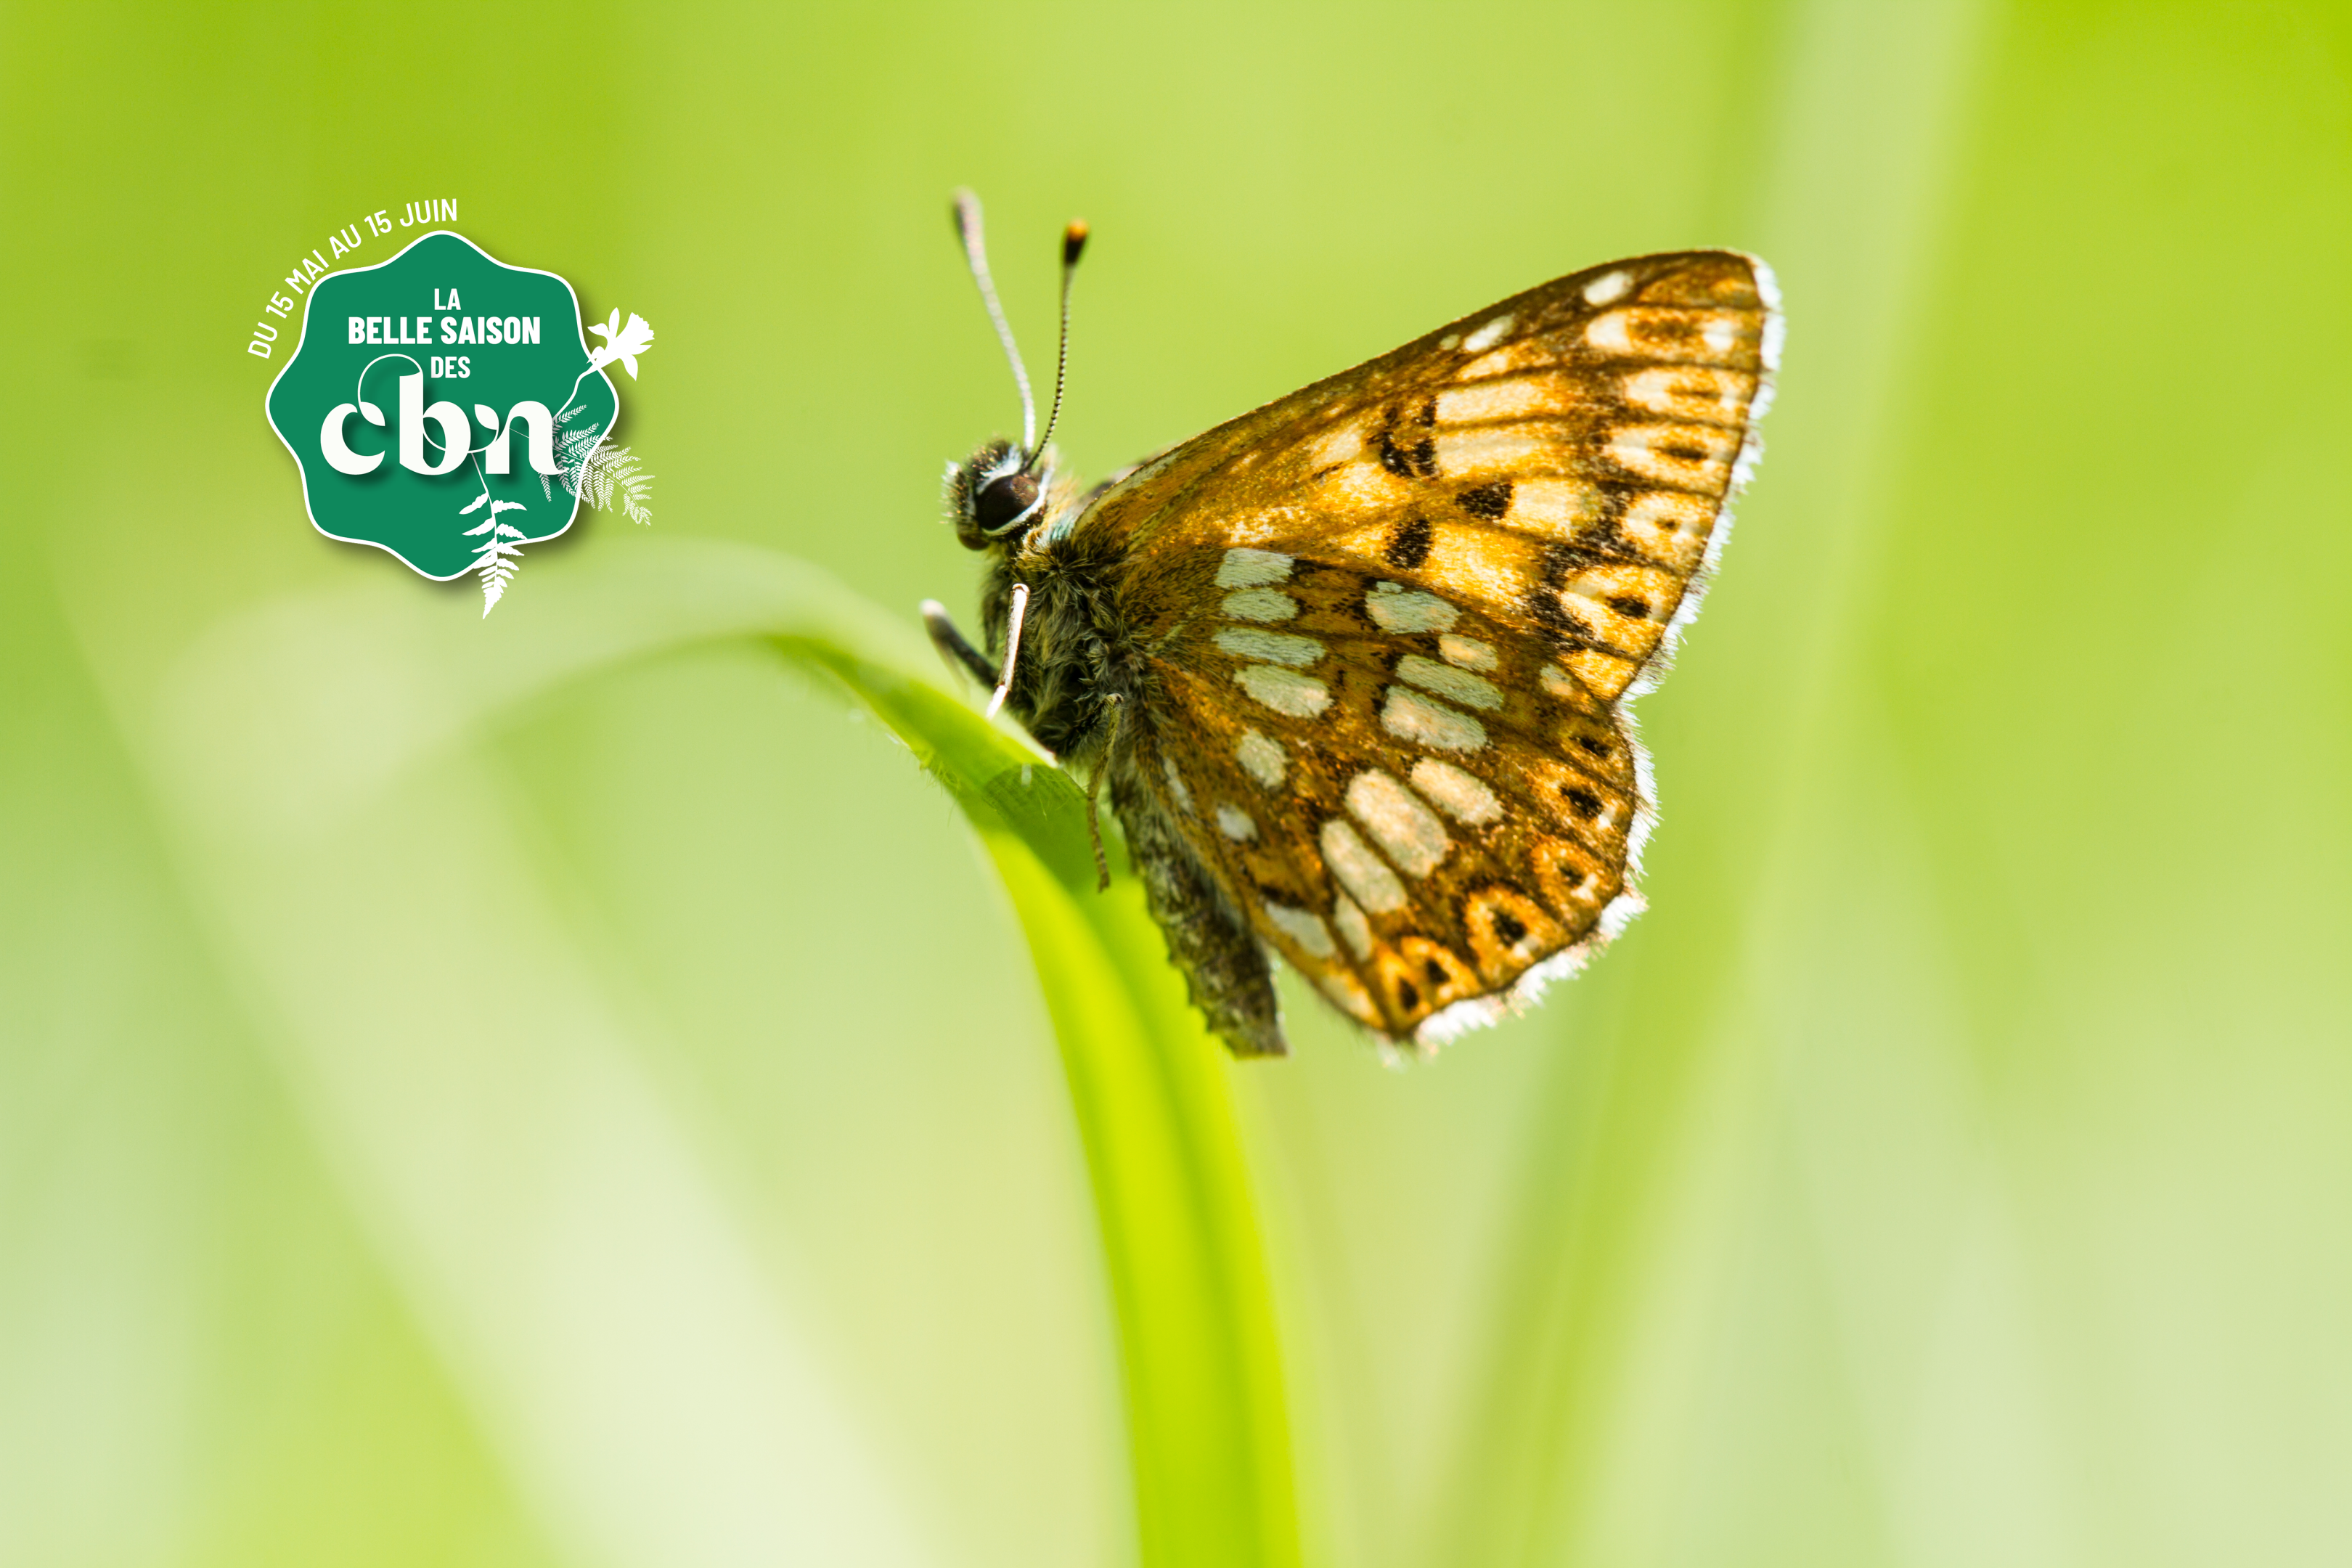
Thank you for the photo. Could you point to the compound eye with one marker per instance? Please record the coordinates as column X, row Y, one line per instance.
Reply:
column 1003, row 500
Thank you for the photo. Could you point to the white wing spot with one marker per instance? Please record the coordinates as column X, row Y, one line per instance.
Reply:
column 1465, row 798
column 1260, row 604
column 1397, row 610
column 1666, row 525
column 1694, row 457
column 1511, row 397
column 1262, row 757
column 1558, row 682
column 1609, row 288
column 1487, row 450
column 1410, row 716
column 1554, row 507
column 1689, row 391
column 1176, row 785
column 1302, row 926
column 1450, row 339
column 1342, row 443
column 1487, row 336
column 1349, row 994
column 1407, row 829
column 1364, row 874
column 1285, row 690
column 1459, row 685
column 1611, row 333
column 1467, row 652
column 1354, row 929
column 1274, row 648
column 1235, row 825
column 1252, row 568
column 1719, row 333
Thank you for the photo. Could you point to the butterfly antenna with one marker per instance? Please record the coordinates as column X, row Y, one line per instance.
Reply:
column 1074, row 245
column 975, row 256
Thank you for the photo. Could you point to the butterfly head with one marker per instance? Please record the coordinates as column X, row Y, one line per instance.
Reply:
column 997, row 494
column 994, row 496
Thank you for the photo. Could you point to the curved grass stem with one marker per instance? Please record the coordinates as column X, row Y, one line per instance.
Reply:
column 1208, row 1433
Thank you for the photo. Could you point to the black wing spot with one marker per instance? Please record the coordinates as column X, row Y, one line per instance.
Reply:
column 1572, row 878
column 1631, row 605
column 1582, row 802
column 1544, row 604
column 1417, row 460
column 1434, row 970
column 1408, row 997
column 1593, row 744
column 1508, row 929
column 1395, row 459
column 1560, row 560
column 1489, row 502
column 1408, row 547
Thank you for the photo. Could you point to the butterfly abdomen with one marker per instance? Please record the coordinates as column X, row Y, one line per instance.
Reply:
column 1209, row 937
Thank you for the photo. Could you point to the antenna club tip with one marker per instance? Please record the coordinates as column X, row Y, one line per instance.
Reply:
column 1074, row 241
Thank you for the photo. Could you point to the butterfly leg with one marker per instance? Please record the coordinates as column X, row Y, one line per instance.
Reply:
column 1094, row 834
column 1094, row 790
column 958, row 653
column 1225, row 968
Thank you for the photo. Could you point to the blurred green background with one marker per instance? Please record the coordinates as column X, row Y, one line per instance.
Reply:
column 627, row 1133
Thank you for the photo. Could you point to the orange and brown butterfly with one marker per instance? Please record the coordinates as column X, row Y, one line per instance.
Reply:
column 1356, row 664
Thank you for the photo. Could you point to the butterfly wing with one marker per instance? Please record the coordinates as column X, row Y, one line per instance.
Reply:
column 1391, row 621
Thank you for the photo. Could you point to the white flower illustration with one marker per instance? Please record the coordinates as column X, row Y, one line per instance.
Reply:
column 623, row 343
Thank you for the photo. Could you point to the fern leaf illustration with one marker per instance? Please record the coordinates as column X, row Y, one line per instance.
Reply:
column 497, row 558
column 606, row 473
column 636, row 492
column 572, row 449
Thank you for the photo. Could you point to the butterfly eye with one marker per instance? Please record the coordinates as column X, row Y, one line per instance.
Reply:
column 1004, row 501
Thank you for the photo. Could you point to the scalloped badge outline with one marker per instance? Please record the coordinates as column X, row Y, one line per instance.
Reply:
column 593, row 473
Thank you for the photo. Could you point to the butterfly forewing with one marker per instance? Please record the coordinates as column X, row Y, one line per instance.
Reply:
column 1392, row 617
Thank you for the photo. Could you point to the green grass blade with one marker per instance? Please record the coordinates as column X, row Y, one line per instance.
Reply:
column 1207, row 1425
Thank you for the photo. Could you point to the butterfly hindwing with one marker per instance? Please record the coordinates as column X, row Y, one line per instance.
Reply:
column 1402, row 804
column 1393, row 618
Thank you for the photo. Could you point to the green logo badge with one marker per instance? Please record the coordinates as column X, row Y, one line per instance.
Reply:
column 446, row 407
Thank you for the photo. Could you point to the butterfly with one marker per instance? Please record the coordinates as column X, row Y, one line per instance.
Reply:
column 1357, row 665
